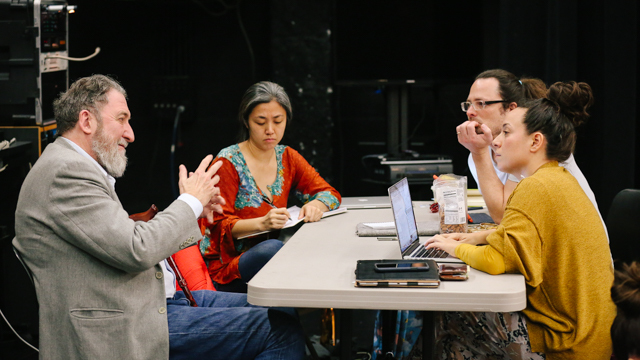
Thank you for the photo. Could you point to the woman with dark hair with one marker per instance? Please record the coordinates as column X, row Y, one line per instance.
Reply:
column 493, row 95
column 258, row 176
column 625, row 331
column 551, row 233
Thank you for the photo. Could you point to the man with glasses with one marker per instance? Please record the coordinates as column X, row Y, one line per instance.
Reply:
column 493, row 94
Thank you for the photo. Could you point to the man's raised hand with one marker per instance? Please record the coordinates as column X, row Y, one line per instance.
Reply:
column 201, row 183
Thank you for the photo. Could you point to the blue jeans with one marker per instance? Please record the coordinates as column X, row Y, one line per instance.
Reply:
column 251, row 261
column 225, row 326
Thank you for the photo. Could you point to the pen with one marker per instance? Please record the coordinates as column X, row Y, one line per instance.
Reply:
column 266, row 199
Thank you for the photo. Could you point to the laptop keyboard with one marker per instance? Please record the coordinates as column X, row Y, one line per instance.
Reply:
column 422, row 252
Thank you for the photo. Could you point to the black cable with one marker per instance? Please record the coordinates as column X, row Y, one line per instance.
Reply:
column 228, row 7
column 212, row 13
column 416, row 127
column 172, row 158
column 246, row 39
column 154, row 155
column 16, row 333
column 225, row 4
column 29, row 17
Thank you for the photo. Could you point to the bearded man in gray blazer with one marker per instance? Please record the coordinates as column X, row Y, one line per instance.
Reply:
column 103, row 287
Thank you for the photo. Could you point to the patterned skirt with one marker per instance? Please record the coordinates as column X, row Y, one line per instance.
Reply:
column 483, row 335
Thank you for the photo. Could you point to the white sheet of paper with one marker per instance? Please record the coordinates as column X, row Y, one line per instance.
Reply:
column 381, row 225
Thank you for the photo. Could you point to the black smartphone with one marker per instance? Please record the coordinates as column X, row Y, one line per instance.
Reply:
column 403, row 266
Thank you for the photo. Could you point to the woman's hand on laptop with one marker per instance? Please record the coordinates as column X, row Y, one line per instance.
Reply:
column 445, row 242
column 449, row 242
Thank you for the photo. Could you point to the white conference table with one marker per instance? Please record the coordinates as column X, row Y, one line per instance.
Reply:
column 315, row 269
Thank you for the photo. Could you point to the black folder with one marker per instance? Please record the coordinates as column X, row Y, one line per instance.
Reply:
column 367, row 276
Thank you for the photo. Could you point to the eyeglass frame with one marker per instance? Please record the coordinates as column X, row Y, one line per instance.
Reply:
column 484, row 104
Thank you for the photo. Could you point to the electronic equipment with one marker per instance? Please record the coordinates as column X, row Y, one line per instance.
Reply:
column 404, row 219
column 418, row 169
column 33, row 60
column 37, row 136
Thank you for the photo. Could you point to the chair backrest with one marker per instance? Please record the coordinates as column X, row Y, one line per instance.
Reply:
column 189, row 261
column 193, row 268
column 621, row 223
column 15, row 251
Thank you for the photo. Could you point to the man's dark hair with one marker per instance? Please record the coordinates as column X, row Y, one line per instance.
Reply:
column 514, row 89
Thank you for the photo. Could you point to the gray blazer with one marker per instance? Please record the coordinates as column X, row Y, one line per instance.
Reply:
column 100, row 289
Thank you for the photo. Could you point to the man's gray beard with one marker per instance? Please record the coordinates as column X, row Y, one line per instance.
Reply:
column 108, row 154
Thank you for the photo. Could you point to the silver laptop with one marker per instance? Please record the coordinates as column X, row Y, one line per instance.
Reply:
column 407, row 230
column 365, row 202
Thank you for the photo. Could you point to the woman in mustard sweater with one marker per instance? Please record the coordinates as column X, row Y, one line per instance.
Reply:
column 552, row 234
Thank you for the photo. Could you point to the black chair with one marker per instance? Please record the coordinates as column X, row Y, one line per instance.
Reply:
column 624, row 237
column 32, row 283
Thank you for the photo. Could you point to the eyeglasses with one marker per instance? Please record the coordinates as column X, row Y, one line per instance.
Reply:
column 478, row 104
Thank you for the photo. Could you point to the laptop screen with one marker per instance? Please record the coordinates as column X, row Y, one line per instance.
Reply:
column 403, row 213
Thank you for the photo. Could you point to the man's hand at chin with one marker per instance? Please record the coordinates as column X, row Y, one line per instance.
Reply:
column 474, row 136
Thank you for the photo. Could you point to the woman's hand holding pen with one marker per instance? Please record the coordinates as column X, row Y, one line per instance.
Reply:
column 275, row 219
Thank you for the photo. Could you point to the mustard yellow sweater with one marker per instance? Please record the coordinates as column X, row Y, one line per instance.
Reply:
column 552, row 234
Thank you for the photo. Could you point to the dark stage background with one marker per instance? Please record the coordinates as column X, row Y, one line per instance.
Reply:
column 203, row 55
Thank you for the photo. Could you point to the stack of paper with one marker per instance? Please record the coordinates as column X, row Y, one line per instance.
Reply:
column 474, row 198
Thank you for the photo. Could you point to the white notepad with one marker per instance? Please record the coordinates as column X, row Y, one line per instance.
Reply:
column 294, row 211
